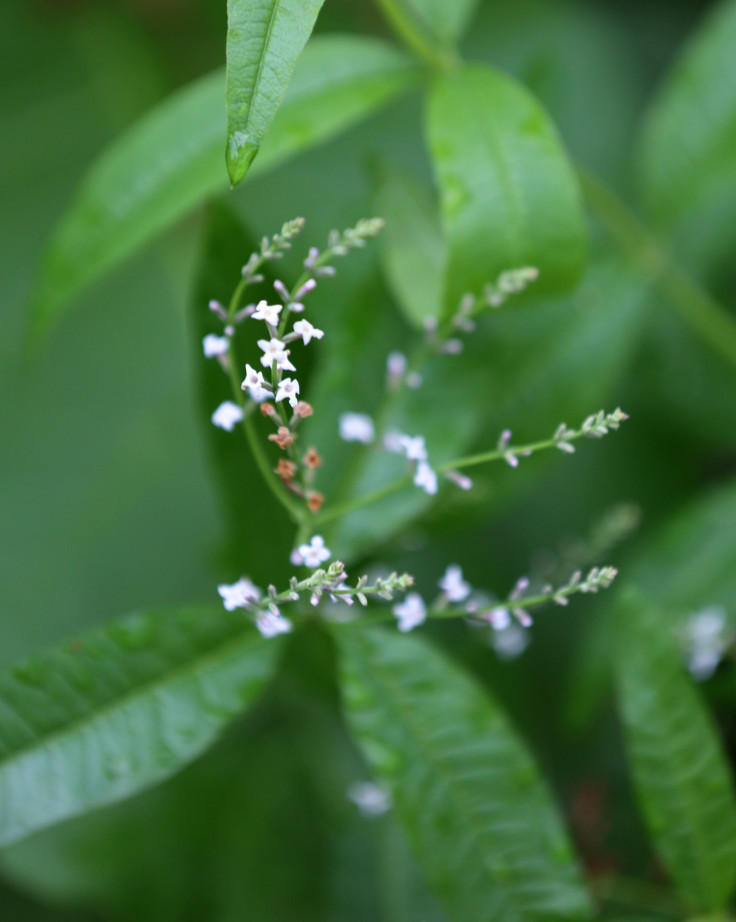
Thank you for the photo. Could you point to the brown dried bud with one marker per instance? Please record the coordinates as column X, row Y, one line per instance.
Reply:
column 315, row 500
column 303, row 409
column 283, row 437
column 312, row 458
column 268, row 409
column 285, row 469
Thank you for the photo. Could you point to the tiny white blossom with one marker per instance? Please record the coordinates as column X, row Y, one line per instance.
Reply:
column 238, row 594
column 288, row 389
column 268, row 312
column 214, row 346
column 255, row 383
column 227, row 415
column 272, row 623
column 396, row 364
column 307, row 332
column 425, row 478
column 314, row 553
column 499, row 618
column 453, row 584
column 706, row 639
column 411, row 612
column 511, row 641
column 357, row 427
column 274, row 351
column 413, row 447
column 370, row 798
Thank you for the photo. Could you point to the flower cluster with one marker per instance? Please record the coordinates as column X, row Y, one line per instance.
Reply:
column 271, row 386
column 265, row 609
column 459, row 599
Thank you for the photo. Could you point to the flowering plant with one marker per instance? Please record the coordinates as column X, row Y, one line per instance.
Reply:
column 393, row 697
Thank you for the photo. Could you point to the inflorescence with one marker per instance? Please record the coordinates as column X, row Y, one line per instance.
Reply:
column 275, row 384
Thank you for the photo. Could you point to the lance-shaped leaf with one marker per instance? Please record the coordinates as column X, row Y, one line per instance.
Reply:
column 411, row 246
column 508, row 191
column 688, row 154
column 680, row 772
column 479, row 818
column 171, row 161
column 264, row 40
column 119, row 709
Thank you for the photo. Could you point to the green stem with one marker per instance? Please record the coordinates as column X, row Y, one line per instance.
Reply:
column 415, row 35
column 705, row 316
column 264, row 466
column 389, row 489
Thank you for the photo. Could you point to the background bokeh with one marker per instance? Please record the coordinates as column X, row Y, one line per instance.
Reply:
column 107, row 506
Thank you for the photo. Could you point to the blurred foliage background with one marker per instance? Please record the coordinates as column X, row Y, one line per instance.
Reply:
column 108, row 505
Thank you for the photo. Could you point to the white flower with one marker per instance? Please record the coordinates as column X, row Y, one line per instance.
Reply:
column 239, row 594
column 305, row 329
column 288, row 389
column 499, row 618
column 227, row 415
column 256, row 384
column 370, row 798
column 453, row 584
column 271, row 623
column 425, row 478
column 268, row 312
column 215, row 345
column 511, row 641
column 357, row 427
column 413, row 447
column 411, row 612
column 706, row 639
column 396, row 364
column 274, row 351
column 314, row 553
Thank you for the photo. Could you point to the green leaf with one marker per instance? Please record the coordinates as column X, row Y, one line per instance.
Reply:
column 171, row 161
column 508, row 191
column 688, row 152
column 411, row 245
column 479, row 818
column 264, row 40
column 120, row 708
column 680, row 771
column 431, row 27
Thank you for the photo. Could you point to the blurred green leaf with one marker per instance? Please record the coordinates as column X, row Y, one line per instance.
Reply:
column 479, row 819
column 686, row 565
column 264, row 40
column 690, row 562
column 119, row 709
column 170, row 162
column 522, row 369
column 680, row 772
column 262, row 821
column 431, row 27
column 226, row 246
column 508, row 192
column 688, row 151
column 411, row 245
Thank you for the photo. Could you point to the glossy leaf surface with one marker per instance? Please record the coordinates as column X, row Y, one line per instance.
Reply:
column 680, row 771
column 480, row 820
column 119, row 709
column 264, row 40
column 508, row 192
